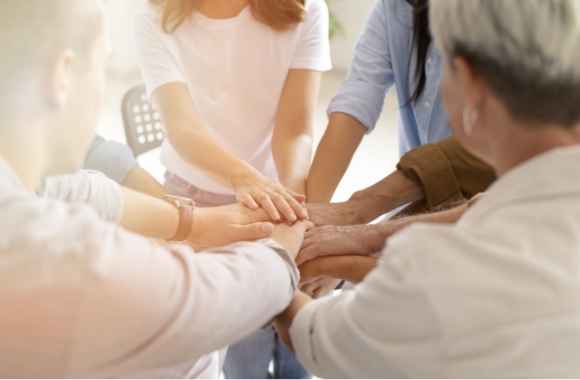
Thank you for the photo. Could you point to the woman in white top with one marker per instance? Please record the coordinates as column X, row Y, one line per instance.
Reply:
column 498, row 294
column 235, row 83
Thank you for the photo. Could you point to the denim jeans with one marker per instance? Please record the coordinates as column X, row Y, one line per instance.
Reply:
column 249, row 358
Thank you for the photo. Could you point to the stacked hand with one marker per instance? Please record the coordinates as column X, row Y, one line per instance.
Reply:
column 255, row 190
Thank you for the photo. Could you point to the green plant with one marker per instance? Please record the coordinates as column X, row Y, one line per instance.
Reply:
column 334, row 26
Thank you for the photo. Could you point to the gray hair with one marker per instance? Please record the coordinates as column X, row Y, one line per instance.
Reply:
column 528, row 51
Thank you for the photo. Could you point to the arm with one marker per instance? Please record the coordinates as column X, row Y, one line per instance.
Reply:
column 163, row 306
column 191, row 139
column 140, row 180
column 388, row 322
column 364, row 240
column 366, row 205
column 292, row 139
column 350, row 268
column 356, row 107
column 341, row 139
column 212, row 227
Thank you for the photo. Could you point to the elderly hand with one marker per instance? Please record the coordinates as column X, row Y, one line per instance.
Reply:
column 219, row 226
column 255, row 190
column 335, row 241
column 336, row 214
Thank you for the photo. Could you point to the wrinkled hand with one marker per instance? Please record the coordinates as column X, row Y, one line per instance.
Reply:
column 255, row 190
column 335, row 241
column 219, row 226
column 335, row 214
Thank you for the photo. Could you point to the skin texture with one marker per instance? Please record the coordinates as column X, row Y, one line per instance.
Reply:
column 333, row 155
column 140, row 180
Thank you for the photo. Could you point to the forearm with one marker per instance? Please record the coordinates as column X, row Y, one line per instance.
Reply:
column 148, row 216
column 202, row 151
column 292, row 157
column 394, row 191
column 140, row 180
column 333, row 156
column 284, row 320
column 350, row 268
column 378, row 233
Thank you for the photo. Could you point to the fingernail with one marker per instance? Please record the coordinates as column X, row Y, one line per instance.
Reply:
column 292, row 217
column 266, row 228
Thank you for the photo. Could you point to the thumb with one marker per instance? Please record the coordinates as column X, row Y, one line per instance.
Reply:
column 252, row 231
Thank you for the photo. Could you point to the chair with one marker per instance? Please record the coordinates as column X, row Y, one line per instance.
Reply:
column 143, row 128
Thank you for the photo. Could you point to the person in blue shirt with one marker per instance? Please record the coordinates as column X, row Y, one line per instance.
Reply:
column 395, row 49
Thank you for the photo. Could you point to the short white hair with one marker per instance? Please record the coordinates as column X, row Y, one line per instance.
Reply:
column 524, row 48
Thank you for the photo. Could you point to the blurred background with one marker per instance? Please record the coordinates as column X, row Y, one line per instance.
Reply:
column 378, row 153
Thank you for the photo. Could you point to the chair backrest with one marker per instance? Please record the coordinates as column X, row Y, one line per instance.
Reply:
column 143, row 128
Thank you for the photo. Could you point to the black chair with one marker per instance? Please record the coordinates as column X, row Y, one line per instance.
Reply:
column 143, row 128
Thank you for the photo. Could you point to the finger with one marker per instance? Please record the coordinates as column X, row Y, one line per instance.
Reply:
column 311, row 287
column 296, row 207
column 320, row 292
column 305, row 255
column 264, row 200
column 282, row 205
column 249, row 202
column 251, row 231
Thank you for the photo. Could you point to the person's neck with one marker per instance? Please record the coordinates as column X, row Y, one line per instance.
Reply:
column 222, row 9
column 25, row 153
column 528, row 142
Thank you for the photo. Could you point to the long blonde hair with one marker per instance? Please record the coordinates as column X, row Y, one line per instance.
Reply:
column 277, row 14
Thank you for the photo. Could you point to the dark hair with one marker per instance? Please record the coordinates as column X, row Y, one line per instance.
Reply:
column 421, row 41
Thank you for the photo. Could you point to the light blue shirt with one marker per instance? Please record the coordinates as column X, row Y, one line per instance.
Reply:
column 382, row 59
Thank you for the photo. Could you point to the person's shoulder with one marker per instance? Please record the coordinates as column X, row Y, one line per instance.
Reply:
column 315, row 7
column 147, row 11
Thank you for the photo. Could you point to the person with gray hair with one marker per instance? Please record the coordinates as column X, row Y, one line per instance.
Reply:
column 495, row 295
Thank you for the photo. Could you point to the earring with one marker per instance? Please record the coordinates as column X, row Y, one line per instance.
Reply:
column 469, row 120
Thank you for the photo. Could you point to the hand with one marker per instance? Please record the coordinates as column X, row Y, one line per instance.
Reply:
column 290, row 236
column 254, row 190
column 320, row 287
column 336, row 214
column 219, row 226
column 335, row 241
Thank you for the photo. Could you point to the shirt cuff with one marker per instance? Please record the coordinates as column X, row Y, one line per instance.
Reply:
column 359, row 100
column 428, row 167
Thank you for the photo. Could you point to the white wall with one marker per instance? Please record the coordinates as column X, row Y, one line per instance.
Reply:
column 123, row 61
column 352, row 14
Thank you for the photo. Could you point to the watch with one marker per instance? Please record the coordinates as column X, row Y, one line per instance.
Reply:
column 185, row 207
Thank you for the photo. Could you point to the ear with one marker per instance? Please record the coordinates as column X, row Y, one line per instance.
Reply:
column 472, row 86
column 59, row 79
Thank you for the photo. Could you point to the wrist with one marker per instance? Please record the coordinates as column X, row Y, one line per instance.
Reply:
column 239, row 175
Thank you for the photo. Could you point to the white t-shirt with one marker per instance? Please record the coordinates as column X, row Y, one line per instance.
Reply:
column 235, row 70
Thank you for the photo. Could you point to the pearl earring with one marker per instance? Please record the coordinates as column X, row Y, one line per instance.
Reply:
column 469, row 120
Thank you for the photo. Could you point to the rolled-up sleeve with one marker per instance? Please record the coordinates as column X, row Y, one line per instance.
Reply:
column 446, row 171
column 111, row 158
column 362, row 94
column 86, row 187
